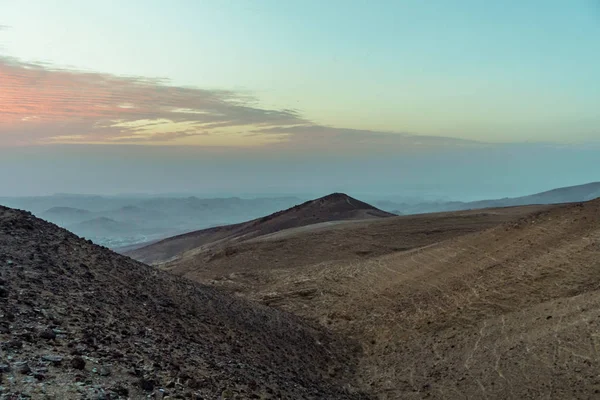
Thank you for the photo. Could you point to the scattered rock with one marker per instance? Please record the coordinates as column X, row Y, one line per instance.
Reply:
column 104, row 371
column 147, row 384
column 48, row 334
column 55, row 360
column 22, row 367
column 12, row 344
column 120, row 389
column 123, row 330
column 78, row 363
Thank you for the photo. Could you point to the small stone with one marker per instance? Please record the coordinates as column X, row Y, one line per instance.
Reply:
column 120, row 390
column 147, row 384
column 79, row 350
column 78, row 363
column 39, row 376
column 56, row 360
column 27, row 337
column 4, row 368
column 3, row 291
column 104, row 371
column 13, row 344
column 48, row 334
column 101, row 395
column 22, row 368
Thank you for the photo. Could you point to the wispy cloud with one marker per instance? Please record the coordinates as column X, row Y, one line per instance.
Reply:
column 41, row 104
column 317, row 137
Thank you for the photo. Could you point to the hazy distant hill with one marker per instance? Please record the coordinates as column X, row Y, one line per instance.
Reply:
column 60, row 211
column 568, row 194
column 101, row 226
column 65, row 215
column 143, row 218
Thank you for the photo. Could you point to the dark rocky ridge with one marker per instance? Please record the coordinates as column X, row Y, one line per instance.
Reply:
column 79, row 321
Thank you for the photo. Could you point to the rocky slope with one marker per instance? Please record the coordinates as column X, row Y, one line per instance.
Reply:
column 78, row 321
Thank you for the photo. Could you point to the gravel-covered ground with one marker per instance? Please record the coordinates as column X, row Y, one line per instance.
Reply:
column 78, row 321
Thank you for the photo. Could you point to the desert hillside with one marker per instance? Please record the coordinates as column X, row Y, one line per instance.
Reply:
column 500, row 309
column 254, row 260
column 78, row 321
column 332, row 208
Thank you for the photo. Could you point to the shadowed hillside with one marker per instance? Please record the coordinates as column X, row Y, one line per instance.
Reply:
column 79, row 321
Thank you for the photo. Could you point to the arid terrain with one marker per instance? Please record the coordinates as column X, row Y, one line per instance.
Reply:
column 78, row 321
column 495, row 303
column 263, row 259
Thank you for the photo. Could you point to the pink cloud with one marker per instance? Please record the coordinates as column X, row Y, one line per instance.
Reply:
column 39, row 102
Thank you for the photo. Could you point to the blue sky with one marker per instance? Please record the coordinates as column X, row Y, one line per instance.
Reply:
column 300, row 77
column 491, row 71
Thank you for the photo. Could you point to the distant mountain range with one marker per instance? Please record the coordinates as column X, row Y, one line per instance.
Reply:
column 122, row 221
column 568, row 194
column 126, row 222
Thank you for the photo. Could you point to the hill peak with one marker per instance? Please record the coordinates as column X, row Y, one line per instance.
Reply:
column 335, row 196
column 66, row 210
column 335, row 207
column 343, row 197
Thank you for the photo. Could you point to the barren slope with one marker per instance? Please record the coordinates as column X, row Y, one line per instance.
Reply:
column 78, row 321
column 258, row 262
column 335, row 207
column 509, row 312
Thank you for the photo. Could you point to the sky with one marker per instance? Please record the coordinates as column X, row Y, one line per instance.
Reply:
column 461, row 98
